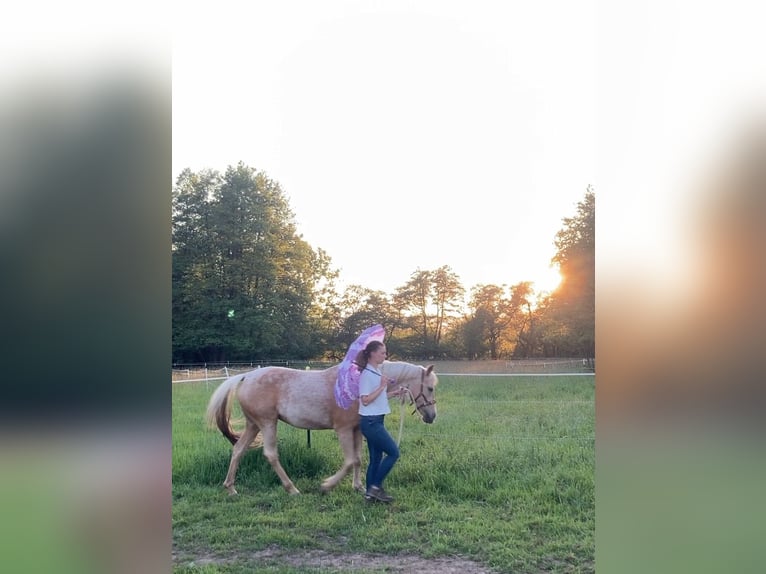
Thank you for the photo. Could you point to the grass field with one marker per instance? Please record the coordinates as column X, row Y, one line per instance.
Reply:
column 503, row 481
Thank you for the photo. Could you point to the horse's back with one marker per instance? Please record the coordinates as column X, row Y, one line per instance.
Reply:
column 301, row 398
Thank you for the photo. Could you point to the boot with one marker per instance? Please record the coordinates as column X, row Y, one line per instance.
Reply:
column 377, row 493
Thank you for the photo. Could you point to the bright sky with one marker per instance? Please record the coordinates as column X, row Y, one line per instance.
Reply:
column 405, row 134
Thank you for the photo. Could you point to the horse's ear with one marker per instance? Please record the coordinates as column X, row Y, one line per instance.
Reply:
column 429, row 369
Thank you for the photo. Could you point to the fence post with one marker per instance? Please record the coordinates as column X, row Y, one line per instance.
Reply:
column 308, row 437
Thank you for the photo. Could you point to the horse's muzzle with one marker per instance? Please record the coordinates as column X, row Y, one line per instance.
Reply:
column 428, row 417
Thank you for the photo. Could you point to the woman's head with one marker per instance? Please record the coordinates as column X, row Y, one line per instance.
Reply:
column 374, row 352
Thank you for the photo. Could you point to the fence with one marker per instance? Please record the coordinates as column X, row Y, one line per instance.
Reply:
column 522, row 367
column 219, row 371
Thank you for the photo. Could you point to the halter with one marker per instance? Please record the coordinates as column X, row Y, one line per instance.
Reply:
column 414, row 400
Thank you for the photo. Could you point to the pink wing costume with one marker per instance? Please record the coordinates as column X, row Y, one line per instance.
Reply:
column 347, row 383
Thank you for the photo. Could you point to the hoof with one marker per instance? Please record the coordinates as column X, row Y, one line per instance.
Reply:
column 325, row 487
column 231, row 490
column 291, row 490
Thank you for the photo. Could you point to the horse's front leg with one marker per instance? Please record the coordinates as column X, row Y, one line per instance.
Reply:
column 350, row 458
column 358, row 459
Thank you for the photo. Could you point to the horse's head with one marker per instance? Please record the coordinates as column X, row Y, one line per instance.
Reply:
column 420, row 383
column 423, row 394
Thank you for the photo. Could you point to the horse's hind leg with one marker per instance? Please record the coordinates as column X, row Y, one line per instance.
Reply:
column 269, row 434
column 241, row 446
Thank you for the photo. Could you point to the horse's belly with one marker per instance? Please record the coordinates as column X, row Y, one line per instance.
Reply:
column 315, row 419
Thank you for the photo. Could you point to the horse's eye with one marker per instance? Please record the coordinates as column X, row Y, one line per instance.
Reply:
column 430, row 389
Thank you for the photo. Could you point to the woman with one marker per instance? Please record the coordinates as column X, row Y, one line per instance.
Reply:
column 373, row 407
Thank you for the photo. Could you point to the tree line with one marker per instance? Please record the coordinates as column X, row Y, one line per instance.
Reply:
column 247, row 286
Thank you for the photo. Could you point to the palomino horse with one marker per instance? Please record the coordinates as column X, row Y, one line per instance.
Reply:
column 305, row 399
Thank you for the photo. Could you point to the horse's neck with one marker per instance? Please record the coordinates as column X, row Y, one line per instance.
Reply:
column 401, row 371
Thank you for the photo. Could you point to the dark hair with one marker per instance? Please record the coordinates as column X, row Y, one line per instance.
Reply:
column 364, row 355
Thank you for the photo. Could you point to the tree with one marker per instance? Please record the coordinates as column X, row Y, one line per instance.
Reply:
column 325, row 311
column 356, row 310
column 571, row 308
column 193, row 274
column 499, row 321
column 243, row 280
column 415, row 296
column 447, row 297
column 432, row 298
column 473, row 343
column 489, row 321
column 523, row 320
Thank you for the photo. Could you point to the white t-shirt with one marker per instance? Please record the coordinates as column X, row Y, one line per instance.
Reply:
column 368, row 382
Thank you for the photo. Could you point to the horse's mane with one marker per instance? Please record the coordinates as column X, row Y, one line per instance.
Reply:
column 402, row 370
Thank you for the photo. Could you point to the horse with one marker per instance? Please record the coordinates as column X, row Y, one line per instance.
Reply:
column 306, row 400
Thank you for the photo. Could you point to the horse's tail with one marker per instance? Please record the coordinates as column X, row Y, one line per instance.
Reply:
column 219, row 408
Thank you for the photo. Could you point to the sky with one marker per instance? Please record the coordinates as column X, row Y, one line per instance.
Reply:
column 405, row 135
column 414, row 134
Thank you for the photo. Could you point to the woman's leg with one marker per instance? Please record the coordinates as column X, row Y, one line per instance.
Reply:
column 387, row 445
column 378, row 439
column 372, row 468
column 367, row 425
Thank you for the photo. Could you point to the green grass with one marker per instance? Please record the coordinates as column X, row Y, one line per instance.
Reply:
column 504, row 477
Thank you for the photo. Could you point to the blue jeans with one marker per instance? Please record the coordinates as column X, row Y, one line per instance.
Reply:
column 379, row 442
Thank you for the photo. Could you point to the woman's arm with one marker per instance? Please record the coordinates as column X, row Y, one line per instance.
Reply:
column 384, row 382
